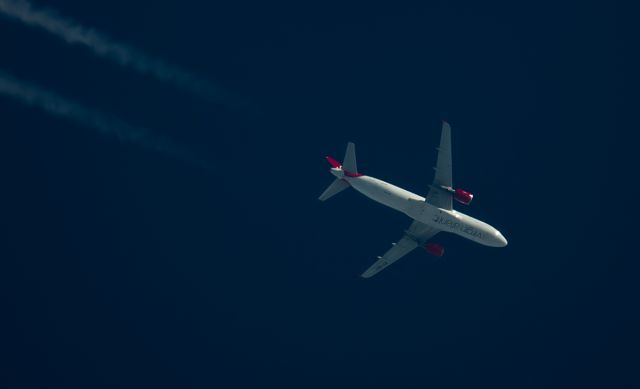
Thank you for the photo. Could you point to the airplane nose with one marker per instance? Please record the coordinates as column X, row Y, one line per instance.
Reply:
column 502, row 240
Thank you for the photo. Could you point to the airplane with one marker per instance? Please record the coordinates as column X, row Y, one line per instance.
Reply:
column 430, row 215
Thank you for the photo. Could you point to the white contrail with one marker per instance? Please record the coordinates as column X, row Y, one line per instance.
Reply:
column 33, row 95
column 101, row 45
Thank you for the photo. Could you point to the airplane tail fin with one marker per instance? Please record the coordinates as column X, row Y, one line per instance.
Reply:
column 337, row 186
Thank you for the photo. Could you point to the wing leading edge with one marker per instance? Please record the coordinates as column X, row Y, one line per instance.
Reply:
column 417, row 234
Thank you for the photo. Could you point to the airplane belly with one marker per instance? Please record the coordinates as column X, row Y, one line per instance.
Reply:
column 415, row 207
column 382, row 192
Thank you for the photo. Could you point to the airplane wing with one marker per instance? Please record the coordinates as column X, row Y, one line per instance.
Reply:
column 417, row 234
column 438, row 196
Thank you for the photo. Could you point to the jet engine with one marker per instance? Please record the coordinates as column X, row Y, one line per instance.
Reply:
column 434, row 249
column 462, row 196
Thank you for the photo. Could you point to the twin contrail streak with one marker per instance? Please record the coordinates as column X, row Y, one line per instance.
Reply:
column 33, row 95
column 102, row 46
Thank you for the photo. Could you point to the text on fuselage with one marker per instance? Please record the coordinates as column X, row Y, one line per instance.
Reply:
column 456, row 225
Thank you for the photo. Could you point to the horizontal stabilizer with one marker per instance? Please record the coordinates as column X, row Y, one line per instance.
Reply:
column 349, row 162
column 336, row 187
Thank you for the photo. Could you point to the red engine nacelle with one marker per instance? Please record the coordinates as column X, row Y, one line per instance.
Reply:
column 462, row 196
column 434, row 249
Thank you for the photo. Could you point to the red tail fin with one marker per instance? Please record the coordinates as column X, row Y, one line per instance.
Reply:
column 333, row 162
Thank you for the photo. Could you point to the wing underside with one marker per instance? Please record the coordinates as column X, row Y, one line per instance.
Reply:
column 417, row 234
column 438, row 195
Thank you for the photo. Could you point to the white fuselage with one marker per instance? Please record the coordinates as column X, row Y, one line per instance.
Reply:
column 416, row 208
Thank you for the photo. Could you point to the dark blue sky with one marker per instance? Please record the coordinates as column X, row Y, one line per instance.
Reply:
column 123, row 267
